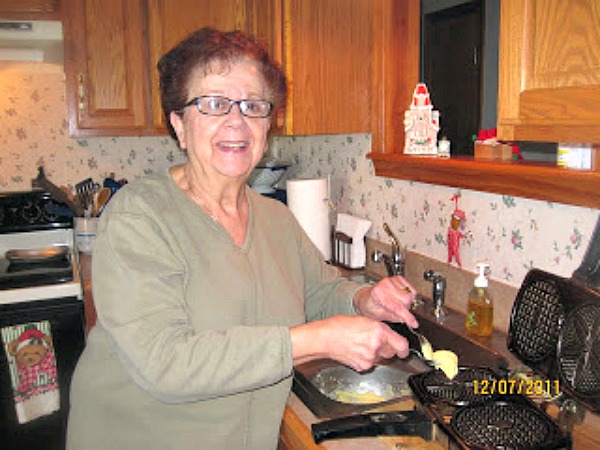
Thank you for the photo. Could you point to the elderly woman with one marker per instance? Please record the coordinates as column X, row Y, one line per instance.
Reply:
column 208, row 293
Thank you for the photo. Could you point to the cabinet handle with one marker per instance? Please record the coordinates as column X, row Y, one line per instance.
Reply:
column 81, row 91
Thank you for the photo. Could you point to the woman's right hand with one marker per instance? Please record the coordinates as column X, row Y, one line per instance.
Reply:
column 356, row 341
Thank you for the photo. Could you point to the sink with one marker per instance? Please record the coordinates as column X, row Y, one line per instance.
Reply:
column 330, row 389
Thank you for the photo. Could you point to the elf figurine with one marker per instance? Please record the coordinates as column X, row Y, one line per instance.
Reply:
column 454, row 232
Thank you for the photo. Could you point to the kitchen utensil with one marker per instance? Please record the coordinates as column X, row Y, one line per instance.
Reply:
column 41, row 182
column 85, row 192
column 380, row 384
column 555, row 330
column 101, row 199
column 394, row 423
column 416, row 341
column 512, row 422
column 434, row 387
column 478, row 420
column 579, row 354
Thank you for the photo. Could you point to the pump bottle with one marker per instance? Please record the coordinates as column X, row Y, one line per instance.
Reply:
column 480, row 310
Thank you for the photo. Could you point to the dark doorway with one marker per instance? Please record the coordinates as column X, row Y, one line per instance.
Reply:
column 451, row 68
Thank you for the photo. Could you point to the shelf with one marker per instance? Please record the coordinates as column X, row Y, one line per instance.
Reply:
column 516, row 178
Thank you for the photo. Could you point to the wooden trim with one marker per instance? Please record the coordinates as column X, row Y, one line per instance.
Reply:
column 514, row 178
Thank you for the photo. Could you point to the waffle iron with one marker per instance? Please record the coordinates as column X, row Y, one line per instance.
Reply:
column 476, row 421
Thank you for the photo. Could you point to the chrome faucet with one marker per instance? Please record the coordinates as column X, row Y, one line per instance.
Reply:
column 394, row 264
column 438, row 294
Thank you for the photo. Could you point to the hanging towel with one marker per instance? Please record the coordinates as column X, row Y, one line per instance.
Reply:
column 31, row 359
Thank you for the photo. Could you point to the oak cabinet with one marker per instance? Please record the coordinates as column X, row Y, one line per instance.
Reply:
column 111, row 51
column 324, row 48
column 550, row 71
column 112, row 47
column 30, row 9
column 106, row 67
column 170, row 22
column 548, row 90
column 326, row 57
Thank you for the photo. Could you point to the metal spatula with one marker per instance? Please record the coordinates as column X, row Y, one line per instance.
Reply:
column 85, row 193
column 416, row 341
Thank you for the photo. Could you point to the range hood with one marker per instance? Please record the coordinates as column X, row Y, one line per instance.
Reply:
column 37, row 40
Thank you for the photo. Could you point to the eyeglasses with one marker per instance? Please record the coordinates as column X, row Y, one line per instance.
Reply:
column 214, row 105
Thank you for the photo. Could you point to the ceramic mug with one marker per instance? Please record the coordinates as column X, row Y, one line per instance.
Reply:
column 85, row 233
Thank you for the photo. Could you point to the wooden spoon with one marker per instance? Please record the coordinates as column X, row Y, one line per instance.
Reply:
column 102, row 198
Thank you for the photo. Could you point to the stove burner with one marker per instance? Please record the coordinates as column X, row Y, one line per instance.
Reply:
column 500, row 424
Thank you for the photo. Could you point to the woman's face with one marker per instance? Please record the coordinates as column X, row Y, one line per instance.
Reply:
column 228, row 146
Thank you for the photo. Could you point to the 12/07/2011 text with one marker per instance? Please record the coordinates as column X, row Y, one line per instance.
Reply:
column 509, row 386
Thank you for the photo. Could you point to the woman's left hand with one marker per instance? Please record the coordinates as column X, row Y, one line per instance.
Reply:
column 389, row 300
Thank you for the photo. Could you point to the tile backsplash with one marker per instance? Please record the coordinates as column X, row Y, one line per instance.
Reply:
column 512, row 234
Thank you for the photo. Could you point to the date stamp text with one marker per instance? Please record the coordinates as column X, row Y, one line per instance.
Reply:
column 510, row 386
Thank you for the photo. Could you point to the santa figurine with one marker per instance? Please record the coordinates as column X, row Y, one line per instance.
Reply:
column 455, row 233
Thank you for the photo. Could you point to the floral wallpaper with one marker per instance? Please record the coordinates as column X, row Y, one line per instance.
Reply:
column 512, row 234
column 34, row 132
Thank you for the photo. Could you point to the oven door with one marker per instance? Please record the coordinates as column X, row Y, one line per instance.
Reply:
column 63, row 320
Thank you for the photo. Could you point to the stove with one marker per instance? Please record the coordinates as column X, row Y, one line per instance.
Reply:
column 41, row 304
column 32, row 223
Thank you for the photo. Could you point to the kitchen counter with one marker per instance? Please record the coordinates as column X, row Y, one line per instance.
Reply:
column 586, row 435
column 296, row 433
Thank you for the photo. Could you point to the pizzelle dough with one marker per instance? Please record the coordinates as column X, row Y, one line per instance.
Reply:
column 427, row 351
column 446, row 361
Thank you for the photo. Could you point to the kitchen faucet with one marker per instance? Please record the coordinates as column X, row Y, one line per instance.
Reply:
column 394, row 265
column 438, row 294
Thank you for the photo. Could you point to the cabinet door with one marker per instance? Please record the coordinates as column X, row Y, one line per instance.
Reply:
column 172, row 20
column 106, row 67
column 327, row 58
column 550, row 70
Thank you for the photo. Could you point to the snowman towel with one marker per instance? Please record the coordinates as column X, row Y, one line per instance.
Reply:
column 30, row 354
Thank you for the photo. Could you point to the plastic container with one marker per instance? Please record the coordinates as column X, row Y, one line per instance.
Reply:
column 85, row 233
column 480, row 309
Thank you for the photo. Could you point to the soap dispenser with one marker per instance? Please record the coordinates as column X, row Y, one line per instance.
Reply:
column 480, row 310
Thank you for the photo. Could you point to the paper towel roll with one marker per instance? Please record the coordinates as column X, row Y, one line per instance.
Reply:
column 308, row 200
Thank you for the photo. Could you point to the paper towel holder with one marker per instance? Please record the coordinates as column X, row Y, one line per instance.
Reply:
column 341, row 250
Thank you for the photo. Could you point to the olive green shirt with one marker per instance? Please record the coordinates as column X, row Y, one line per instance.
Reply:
column 192, row 346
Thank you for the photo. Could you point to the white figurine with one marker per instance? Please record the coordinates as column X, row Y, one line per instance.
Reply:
column 421, row 124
